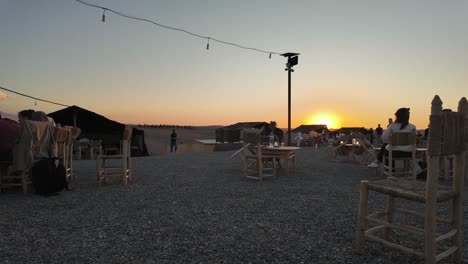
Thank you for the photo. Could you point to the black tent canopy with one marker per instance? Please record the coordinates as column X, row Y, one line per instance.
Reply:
column 232, row 133
column 94, row 126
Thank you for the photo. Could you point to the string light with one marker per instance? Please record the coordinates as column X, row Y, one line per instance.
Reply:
column 32, row 97
column 103, row 15
column 269, row 56
column 177, row 29
column 208, row 44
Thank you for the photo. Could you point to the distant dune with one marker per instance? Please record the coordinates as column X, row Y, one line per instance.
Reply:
column 157, row 139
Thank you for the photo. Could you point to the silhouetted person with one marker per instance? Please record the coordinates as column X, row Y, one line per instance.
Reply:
column 173, row 141
column 378, row 134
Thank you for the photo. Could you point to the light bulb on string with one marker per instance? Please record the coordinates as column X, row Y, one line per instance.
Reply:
column 35, row 102
column 103, row 15
column 269, row 56
column 208, row 44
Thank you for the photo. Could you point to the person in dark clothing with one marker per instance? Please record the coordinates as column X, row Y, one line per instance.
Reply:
column 173, row 141
column 371, row 136
column 378, row 134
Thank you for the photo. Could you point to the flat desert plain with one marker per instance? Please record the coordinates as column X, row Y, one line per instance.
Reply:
column 157, row 139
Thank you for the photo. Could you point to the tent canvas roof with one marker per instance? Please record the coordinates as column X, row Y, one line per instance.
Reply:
column 90, row 123
column 307, row 128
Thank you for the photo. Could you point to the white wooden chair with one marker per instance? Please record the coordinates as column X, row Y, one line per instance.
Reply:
column 116, row 165
column 409, row 163
column 448, row 135
column 64, row 138
column 255, row 164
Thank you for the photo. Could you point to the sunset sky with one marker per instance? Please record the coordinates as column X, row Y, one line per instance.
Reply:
column 359, row 62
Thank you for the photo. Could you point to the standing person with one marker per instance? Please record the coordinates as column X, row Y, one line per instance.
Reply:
column 298, row 138
column 371, row 136
column 378, row 133
column 173, row 141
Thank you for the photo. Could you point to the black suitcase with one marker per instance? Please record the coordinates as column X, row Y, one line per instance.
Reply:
column 48, row 176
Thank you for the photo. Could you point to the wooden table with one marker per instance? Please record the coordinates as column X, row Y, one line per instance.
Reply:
column 285, row 153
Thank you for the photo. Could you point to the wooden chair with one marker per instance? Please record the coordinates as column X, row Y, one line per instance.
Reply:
column 337, row 153
column 409, row 163
column 64, row 139
column 366, row 153
column 96, row 148
column 255, row 164
column 448, row 135
column 36, row 141
column 107, row 166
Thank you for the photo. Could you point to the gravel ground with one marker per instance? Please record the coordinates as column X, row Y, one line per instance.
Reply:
column 196, row 208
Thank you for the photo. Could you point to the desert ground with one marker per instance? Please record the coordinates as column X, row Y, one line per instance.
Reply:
column 157, row 139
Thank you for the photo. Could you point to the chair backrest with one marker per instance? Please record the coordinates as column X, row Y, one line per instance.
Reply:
column 251, row 136
column 252, row 141
column 448, row 135
column 61, row 137
column 64, row 138
column 398, row 138
column 127, row 141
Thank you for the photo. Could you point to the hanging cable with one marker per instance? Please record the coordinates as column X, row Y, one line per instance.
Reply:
column 177, row 29
column 32, row 97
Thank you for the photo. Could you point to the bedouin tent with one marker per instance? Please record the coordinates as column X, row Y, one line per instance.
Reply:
column 232, row 133
column 94, row 127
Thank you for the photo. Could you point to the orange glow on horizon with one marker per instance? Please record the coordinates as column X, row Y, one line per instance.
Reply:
column 327, row 118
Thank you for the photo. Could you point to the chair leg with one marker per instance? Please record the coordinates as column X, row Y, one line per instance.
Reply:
column 260, row 169
column 99, row 167
column 274, row 167
column 457, row 215
column 430, row 226
column 362, row 213
column 24, row 183
column 124, row 171
column 390, row 215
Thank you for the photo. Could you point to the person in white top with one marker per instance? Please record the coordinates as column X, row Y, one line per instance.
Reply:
column 401, row 124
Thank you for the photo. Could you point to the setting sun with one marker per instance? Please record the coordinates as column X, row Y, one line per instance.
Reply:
column 329, row 119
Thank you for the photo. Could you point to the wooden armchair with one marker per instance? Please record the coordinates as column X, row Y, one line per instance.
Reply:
column 448, row 135
column 116, row 165
column 255, row 164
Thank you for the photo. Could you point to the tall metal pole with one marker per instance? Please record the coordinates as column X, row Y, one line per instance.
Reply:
column 289, row 105
column 292, row 60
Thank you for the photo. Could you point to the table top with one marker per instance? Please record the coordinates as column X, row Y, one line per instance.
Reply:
column 282, row 148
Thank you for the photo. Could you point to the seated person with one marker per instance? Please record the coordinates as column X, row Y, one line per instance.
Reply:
column 9, row 133
column 401, row 124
